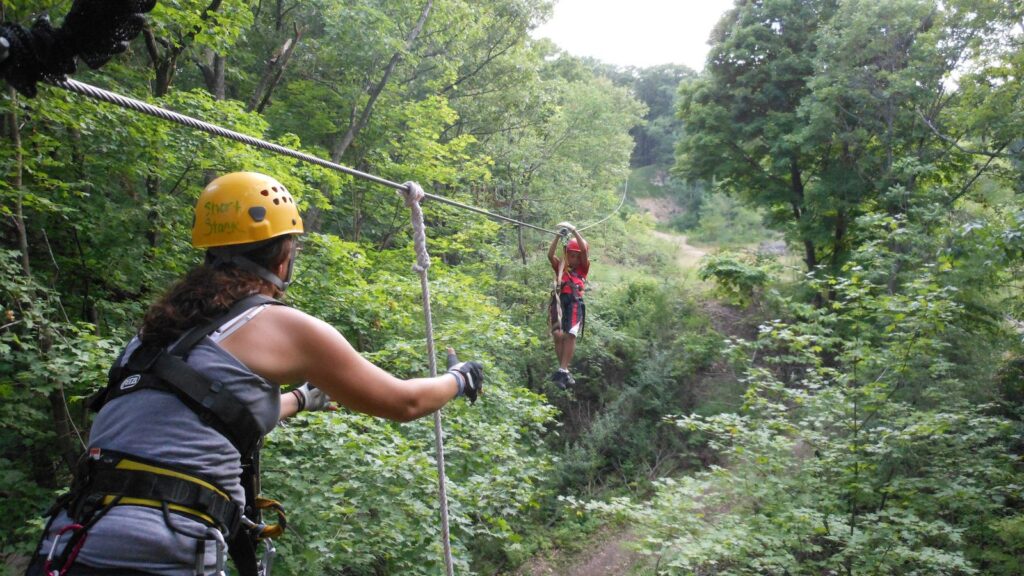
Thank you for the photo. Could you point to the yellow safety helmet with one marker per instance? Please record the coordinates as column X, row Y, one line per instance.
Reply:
column 241, row 208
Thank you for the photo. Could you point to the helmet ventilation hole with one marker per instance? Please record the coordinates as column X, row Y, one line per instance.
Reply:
column 258, row 213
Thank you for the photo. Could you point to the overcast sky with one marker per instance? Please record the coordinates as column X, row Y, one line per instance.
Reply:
column 635, row 32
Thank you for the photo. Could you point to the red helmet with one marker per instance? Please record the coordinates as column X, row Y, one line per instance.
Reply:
column 573, row 246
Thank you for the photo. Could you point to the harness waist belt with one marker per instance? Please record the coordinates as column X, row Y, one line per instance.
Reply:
column 124, row 480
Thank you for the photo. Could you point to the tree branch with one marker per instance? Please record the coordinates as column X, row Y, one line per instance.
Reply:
column 358, row 124
column 272, row 73
column 991, row 154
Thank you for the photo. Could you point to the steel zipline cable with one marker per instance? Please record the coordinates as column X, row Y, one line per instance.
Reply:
column 109, row 97
column 625, row 190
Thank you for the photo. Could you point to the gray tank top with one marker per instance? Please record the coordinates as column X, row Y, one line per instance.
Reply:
column 156, row 425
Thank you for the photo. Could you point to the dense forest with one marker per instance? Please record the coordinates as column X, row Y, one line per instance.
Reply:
column 837, row 387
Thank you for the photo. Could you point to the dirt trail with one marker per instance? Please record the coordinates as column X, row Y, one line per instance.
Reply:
column 663, row 210
column 606, row 555
column 688, row 256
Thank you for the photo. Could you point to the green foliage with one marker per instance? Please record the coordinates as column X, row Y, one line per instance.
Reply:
column 657, row 88
column 47, row 366
column 738, row 277
column 820, row 112
column 725, row 222
column 860, row 446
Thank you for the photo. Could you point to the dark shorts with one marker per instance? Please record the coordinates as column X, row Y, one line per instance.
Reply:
column 574, row 314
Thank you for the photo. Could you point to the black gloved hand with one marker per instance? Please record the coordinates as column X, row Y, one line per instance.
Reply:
column 94, row 30
column 34, row 55
column 102, row 29
column 468, row 375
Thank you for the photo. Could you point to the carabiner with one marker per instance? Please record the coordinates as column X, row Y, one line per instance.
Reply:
column 74, row 528
column 222, row 546
column 269, row 552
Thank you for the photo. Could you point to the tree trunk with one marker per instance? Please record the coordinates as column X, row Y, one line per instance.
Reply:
column 218, row 71
column 152, row 192
column 165, row 64
column 797, row 203
column 213, row 74
column 357, row 217
column 272, row 74
column 838, row 247
column 17, row 181
column 58, row 409
column 359, row 119
column 66, row 437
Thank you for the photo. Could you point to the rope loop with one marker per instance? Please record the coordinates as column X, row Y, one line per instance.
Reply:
column 412, row 193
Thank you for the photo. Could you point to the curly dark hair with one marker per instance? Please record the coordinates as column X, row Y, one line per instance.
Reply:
column 208, row 291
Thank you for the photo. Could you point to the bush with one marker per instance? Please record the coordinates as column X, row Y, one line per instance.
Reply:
column 738, row 277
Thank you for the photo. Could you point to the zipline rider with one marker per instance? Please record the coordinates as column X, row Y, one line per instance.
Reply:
column 567, row 312
column 172, row 466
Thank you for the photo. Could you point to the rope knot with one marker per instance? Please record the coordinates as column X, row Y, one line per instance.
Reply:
column 413, row 193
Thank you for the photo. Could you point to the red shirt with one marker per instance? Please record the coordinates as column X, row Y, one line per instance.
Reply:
column 577, row 276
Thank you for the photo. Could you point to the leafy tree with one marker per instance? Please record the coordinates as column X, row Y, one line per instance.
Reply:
column 742, row 116
column 657, row 88
column 820, row 113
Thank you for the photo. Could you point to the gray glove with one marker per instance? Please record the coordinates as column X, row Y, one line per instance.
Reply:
column 468, row 375
column 311, row 398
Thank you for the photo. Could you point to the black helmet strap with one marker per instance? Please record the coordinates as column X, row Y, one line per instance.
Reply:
column 235, row 256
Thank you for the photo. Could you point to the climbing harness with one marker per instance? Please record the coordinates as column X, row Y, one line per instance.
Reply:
column 106, row 478
column 162, row 369
column 555, row 302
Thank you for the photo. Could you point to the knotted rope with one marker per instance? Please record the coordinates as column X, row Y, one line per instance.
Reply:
column 412, row 193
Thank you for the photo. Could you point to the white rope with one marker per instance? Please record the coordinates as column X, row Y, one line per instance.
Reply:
column 412, row 193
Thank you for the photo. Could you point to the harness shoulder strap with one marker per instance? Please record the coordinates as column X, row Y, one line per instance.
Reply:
column 214, row 403
column 151, row 367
